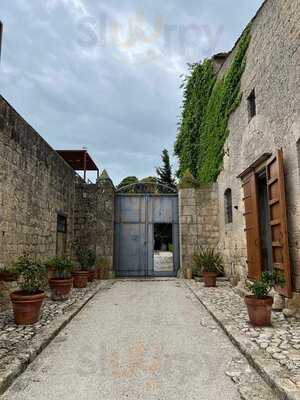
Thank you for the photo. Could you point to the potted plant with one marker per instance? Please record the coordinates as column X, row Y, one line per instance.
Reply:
column 91, row 259
column 81, row 274
column 102, row 268
column 208, row 262
column 28, row 301
column 62, row 282
column 259, row 303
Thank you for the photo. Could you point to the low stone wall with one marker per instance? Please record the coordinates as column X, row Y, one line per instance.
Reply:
column 199, row 221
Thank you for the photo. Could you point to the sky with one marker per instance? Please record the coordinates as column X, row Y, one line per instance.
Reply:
column 106, row 75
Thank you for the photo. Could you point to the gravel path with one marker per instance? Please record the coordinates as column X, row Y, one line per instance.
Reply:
column 148, row 340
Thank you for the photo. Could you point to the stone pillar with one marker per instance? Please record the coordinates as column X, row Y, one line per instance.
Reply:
column 198, row 221
column 105, row 216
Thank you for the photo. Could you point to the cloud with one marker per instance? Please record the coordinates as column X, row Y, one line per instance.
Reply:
column 106, row 75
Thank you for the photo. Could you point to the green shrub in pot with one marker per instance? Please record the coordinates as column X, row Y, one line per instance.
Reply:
column 28, row 301
column 86, row 271
column 259, row 303
column 208, row 262
column 61, row 282
column 102, row 268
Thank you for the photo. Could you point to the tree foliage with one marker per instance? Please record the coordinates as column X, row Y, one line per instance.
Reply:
column 164, row 173
column 207, row 105
column 129, row 180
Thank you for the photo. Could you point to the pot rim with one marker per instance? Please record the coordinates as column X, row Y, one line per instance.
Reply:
column 80, row 272
column 254, row 299
column 20, row 295
column 61, row 280
column 210, row 273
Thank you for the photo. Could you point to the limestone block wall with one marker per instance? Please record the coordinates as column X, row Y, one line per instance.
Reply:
column 272, row 69
column 94, row 217
column 36, row 184
column 198, row 219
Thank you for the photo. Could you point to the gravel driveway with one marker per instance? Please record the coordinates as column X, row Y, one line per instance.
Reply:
column 140, row 340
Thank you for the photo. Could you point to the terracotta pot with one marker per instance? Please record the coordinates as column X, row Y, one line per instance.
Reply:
column 26, row 307
column 259, row 310
column 210, row 279
column 189, row 273
column 92, row 275
column 80, row 279
column 60, row 288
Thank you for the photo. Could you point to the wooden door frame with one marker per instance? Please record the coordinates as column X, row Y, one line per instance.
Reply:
column 263, row 163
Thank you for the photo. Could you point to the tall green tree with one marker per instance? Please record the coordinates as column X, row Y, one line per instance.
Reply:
column 164, row 173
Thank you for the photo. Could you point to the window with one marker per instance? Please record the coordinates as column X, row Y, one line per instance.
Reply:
column 61, row 224
column 228, row 206
column 252, row 105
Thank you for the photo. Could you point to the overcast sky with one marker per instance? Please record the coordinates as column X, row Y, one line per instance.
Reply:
column 106, row 74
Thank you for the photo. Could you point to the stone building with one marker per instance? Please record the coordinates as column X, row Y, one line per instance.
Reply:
column 268, row 119
column 258, row 220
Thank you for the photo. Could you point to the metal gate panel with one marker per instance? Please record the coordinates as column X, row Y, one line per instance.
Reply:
column 132, row 239
column 134, row 232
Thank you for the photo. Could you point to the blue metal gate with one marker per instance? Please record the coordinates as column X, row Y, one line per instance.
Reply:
column 135, row 217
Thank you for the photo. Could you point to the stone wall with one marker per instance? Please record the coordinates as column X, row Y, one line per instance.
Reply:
column 272, row 69
column 94, row 217
column 36, row 186
column 198, row 221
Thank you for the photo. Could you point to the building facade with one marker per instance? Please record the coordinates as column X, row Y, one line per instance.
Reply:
column 258, row 227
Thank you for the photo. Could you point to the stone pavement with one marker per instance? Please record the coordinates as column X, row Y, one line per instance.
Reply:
column 146, row 340
column 275, row 351
column 19, row 345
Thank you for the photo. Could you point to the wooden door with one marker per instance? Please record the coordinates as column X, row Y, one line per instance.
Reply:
column 252, row 230
column 278, row 221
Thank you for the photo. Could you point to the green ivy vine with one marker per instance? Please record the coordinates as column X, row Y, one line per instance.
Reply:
column 207, row 105
column 197, row 88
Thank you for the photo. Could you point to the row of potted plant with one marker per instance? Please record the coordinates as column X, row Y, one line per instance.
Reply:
column 62, row 277
column 208, row 263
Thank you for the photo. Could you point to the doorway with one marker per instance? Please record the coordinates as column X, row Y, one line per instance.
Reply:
column 163, row 248
column 264, row 221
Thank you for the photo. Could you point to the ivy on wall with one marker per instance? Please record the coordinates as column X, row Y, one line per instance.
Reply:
column 207, row 105
column 197, row 88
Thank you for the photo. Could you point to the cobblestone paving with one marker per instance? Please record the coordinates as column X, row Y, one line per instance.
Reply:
column 249, row 384
column 281, row 341
column 15, row 340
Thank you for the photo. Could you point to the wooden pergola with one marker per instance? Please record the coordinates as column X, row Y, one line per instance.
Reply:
column 79, row 160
